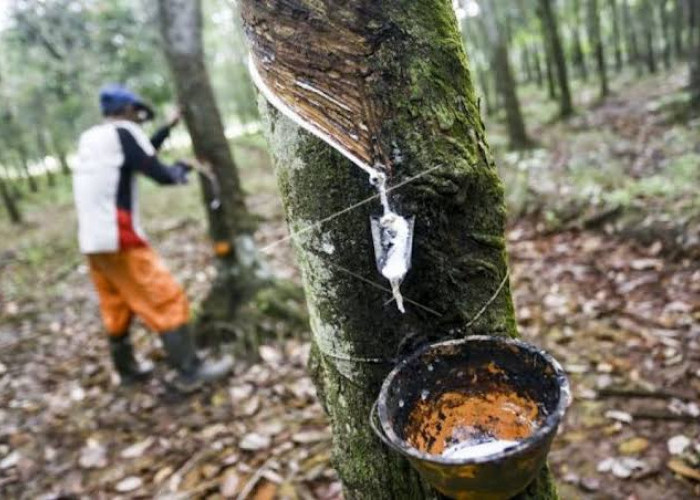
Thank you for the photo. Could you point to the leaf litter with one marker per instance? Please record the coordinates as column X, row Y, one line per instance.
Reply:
column 622, row 316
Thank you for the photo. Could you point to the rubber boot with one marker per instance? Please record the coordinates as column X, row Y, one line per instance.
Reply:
column 130, row 371
column 192, row 372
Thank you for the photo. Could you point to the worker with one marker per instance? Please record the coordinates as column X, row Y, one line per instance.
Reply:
column 129, row 276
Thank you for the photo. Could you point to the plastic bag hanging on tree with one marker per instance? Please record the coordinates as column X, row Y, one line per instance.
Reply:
column 392, row 236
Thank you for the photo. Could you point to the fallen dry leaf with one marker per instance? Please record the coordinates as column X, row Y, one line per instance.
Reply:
column 254, row 442
column 230, row 483
column 128, row 484
column 136, row 450
column 678, row 444
column 93, row 455
column 310, row 436
column 633, row 446
column 682, row 469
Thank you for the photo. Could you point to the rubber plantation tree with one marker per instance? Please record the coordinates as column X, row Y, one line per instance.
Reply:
column 679, row 23
column 240, row 273
column 596, row 37
column 665, row 32
column 646, row 13
column 506, row 85
column 9, row 203
column 579, row 58
column 694, row 60
column 633, row 50
column 614, row 10
column 550, row 32
column 403, row 63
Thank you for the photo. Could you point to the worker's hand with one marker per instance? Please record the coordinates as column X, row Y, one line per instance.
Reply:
column 185, row 165
column 181, row 170
column 174, row 117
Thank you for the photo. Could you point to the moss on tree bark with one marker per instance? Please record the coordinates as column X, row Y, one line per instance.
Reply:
column 430, row 120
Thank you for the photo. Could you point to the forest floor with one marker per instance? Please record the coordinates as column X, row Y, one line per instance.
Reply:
column 614, row 300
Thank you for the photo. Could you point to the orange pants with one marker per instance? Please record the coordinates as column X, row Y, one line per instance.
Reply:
column 135, row 282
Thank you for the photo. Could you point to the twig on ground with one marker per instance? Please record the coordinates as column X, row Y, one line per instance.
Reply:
column 188, row 466
column 662, row 415
column 619, row 392
column 253, row 481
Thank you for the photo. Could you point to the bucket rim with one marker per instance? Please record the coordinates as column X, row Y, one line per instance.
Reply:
column 550, row 424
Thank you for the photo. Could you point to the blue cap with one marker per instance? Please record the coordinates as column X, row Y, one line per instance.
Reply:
column 114, row 98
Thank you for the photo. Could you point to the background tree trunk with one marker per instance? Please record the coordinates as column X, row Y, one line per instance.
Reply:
column 646, row 12
column 616, row 33
column 239, row 270
column 503, row 74
column 10, row 203
column 24, row 162
column 665, row 33
column 549, row 69
column 577, row 49
column 537, row 64
column 551, row 34
column 430, row 117
column 694, row 61
column 633, row 51
column 597, row 42
column 526, row 64
column 679, row 17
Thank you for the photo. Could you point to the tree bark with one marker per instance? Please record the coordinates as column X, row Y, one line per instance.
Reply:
column 10, row 204
column 429, row 118
column 503, row 73
column 550, row 30
column 694, row 60
column 526, row 64
column 616, row 33
column 539, row 78
column 577, row 49
column 549, row 70
column 665, row 33
column 239, row 270
column 633, row 51
column 63, row 161
column 647, row 14
column 31, row 181
column 679, row 16
column 597, row 42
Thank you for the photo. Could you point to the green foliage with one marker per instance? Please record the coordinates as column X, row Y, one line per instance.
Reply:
column 54, row 57
column 66, row 50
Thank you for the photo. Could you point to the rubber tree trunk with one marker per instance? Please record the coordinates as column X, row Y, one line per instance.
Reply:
column 695, row 56
column 679, row 17
column 616, row 33
column 63, row 162
column 596, row 38
column 31, row 181
column 549, row 70
column 503, row 74
column 633, row 50
column 485, row 85
column 230, row 226
column 43, row 152
column 10, row 204
column 577, row 46
column 550, row 32
column 646, row 12
column 526, row 64
column 537, row 65
column 418, row 69
column 665, row 33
